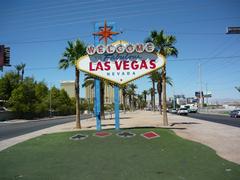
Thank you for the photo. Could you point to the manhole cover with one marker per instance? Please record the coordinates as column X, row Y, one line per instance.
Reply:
column 150, row 135
column 102, row 134
column 126, row 134
column 78, row 137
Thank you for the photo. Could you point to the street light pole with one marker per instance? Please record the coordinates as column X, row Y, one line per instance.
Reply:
column 174, row 103
column 200, row 82
column 233, row 30
column 50, row 101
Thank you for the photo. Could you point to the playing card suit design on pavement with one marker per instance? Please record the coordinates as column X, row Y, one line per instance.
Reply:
column 78, row 137
column 150, row 135
column 126, row 134
column 102, row 134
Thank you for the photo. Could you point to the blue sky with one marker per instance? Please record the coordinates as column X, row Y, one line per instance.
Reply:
column 37, row 32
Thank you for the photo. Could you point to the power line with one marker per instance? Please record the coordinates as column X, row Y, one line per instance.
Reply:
column 177, row 33
column 46, row 41
column 53, row 40
column 55, row 6
column 76, row 11
column 212, row 56
column 75, row 19
column 220, row 50
column 113, row 16
column 55, row 67
column 204, row 58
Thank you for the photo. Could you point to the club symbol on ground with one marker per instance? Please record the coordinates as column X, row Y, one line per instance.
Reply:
column 78, row 137
column 126, row 134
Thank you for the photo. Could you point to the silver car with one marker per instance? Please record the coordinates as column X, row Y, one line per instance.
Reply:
column 183, row 111
column 235, row 113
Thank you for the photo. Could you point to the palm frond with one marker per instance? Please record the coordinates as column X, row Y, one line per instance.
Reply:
column 89, row 82
column 169, row 81
column 63, row 64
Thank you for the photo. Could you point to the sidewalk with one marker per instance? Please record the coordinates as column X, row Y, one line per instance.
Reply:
column 222, row 138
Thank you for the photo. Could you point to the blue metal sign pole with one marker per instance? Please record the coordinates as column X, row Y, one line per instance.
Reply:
column 97, row 89
column 97, row 104
column 116, row 96
column 116, row 107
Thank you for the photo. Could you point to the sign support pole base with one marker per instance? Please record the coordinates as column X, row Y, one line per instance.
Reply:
column 116, row 107
column 98, row 104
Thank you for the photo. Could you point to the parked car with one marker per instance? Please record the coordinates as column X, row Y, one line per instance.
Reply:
column 3, row 109
column 192, row 110
column 148, row 109
column 183, row 111
column 174, row 111
column 235, row 113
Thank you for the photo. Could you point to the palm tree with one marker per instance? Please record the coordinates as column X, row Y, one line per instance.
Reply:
column 153, row 77
column 159, row 88
column 22, row 65
column 131, row 93
column 152, row 92
column 124, row 94
column 237, row 88
column 71, row 54
column 165, row 46
column 140, row 101
column 18, row 68
column 145, row 93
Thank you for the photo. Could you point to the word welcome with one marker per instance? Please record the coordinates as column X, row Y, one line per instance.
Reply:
column 120, row 48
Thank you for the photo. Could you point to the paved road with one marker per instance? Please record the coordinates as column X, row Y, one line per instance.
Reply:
column 9, row 130
column 217, row 118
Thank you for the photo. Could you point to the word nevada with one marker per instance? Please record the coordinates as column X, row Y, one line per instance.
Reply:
column 120, row 48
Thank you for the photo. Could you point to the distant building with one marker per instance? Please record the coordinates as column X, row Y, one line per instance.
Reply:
column 180, row 99
column 191, row 100
column 108, row 94
column 69, row 87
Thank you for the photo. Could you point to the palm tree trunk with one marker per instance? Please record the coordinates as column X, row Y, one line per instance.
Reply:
column 159, row 87
column 154, row 104
column 133, row 103
column 22, row 74
column 164, row 103
column 78, row 124
column 124, row 102
column 130, row 101
column 151, row 99
column 102, row 99
column 18, row 73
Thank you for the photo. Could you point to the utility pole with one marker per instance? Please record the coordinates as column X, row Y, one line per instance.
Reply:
column 50, row 101
column 174, row 102
column 200, row 83
column 233, row 30
column 206, row 93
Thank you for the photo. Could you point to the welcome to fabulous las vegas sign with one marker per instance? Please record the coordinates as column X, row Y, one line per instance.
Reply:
column 120, row 62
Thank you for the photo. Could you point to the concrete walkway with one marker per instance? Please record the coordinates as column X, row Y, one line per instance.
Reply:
column 224, row 139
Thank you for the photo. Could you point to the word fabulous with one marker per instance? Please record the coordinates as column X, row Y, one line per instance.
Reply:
column 120, row 48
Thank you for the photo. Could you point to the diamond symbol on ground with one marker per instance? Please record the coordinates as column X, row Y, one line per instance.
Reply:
column 150, row 135
column 126, row 134
column 78, row 137
column 102, row 134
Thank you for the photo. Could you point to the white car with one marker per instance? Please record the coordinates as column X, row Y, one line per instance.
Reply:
column 183, row 111
column 174, row 111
